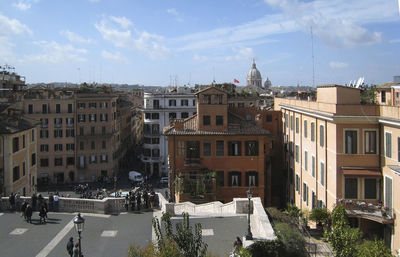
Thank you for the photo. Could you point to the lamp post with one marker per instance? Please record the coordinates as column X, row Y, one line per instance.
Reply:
column 249, row 235
column 79, row 223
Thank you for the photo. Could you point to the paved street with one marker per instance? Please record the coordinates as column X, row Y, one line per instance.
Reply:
column 104, row 235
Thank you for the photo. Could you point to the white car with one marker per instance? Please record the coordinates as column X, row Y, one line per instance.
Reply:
column 135, row 176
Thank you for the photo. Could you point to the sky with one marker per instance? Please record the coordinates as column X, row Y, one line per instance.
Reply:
column 182, row 42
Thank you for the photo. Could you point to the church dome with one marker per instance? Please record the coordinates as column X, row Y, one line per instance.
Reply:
column 254, row 76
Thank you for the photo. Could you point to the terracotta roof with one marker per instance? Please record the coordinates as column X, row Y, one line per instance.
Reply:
column 236, row 126
column 387, row 85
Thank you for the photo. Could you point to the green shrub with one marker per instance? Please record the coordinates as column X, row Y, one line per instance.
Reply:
column 293, row 211
column 320, row 215
column 276, row 215
column 376, row 248
column 266, row 248
column 293, row 242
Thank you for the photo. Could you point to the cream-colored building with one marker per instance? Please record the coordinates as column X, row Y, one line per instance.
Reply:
column 338, row 150
column 18, row 156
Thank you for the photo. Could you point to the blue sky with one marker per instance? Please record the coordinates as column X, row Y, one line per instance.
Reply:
column 156, row 42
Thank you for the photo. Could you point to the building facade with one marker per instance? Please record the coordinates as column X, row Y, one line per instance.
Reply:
column 159, row 109
column 339, row 151
column 217, row 154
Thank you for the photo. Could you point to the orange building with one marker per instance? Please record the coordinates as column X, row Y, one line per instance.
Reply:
column 217, row 154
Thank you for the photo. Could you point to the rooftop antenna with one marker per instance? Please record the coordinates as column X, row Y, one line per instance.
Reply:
column 312, row 53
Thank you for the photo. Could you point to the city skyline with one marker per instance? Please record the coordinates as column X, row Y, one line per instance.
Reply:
column 159, row 43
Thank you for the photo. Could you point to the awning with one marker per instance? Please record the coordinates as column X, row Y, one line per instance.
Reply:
column 362, row 173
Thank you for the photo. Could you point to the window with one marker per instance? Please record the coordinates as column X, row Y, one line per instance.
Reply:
column 383, row 96
column 350, row 141
column 370, row 188
column 184, row 115
column 33, row 135
column 103, row 105
column 23, row 141
column 291, row 122
column 252, row 179
column 370, row 142
column 350, row 188
column 155, row 141
column 92, row 105
column 44, row 133
column 92, row 159
column 92, row 145
column 192, row 149
column 30, row 108
column 81, row 105
column 81, row 145
column 206, row 99
column 297, row 183
column 194, row 102
column 305, row 193
column 58, row 133
column 156, row 104
column 15, row 144
column 147, row 116
column 92, row 117
column 15, row 173
column 44, row 108
column 104, row 158
column 172, row 115
column 57, row 122
column 103, row 130
column 70, row 161
column 155, row 116
column 313, row 166
column 286, row 120
column 58, row 161
column 172, row 102
column 207, row 148
column 58, row 147
column 220, row 148
column 305, row 128
column 69, row 121
column 70, row 147
column 312, row 131
column 44, row 162
column 321, row 136
column 251, row 148
column 155, row 152
column 70, row 132
column 103, row 144
column 234, row 148
column 322, row 174
column 218, row 98
column 81, row 117
column 33, row 159
column 155, row 129
column 297, row 125
column 92, row 131
column 388, row 144
column 240, row 105
column 69, row 108
column 219, row 120
column 103, row 117
column 297, row 153
column 58, row 108
column 248, row 117
column 44, row 148
column 305, row 160
column 220, row 178
column 206, row 120
column 235, row 179
column 269, row 118
column 184, row 102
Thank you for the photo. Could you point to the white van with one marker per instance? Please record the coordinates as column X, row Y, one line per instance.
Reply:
column 135, row 176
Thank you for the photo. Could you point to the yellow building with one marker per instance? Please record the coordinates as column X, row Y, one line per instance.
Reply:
column 338, row 150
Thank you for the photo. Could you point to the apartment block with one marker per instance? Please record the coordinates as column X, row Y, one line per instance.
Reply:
column 337, row 150
column 159, row 109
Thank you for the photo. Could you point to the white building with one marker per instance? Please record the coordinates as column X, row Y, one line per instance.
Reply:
column 159, row 109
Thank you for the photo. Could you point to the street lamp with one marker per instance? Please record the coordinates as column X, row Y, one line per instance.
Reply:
column 79, row 223
column 249, row 235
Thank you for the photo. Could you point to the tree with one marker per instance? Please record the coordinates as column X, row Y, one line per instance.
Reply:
column 376, row 248
column 293, row 242
column 320, row 215
column 342, row 237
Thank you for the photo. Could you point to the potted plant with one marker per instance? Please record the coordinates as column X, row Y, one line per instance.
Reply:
column 384, row 211
column 320, row 216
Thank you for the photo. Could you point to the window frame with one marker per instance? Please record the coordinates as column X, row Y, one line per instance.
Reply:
column 345, row 142
column 365, row 131
column 388, row 154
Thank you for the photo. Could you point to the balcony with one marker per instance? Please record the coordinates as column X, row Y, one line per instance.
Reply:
column 365, row 210
column 192, row 161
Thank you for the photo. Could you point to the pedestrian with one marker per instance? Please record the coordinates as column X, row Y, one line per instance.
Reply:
column 75, row 250
column 51, row 202
column 28, row 213
column 70, row 246
column 18, row 201
column 126, row 204
column 146, row 199
column 34, row 201
column 132, row 201
column 11, row 199
column 138, row 200
column 56, row 201
column 23, row 208
column 42, row 214
column 151, row 199
column 239, row 242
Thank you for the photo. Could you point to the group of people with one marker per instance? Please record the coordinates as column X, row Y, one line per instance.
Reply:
column 73, row 248
column 138, row 198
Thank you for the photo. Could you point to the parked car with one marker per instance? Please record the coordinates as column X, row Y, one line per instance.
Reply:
column 135, row 176
column 163, row 182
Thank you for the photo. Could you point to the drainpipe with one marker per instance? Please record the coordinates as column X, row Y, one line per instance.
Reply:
column 380, row 159
column 316, row 160
column 4, row 187
column 326, row 163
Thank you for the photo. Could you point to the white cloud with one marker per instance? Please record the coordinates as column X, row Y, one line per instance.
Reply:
column 393, row 41
column 114, row 57
column 175, row 13
column 75, row 38
column 339, row 22
column 121, row 36
column 54, row 52
column 122, row 21
column 12, row 26
column 338, row 65
column 243, row 53
column 22, row 6
column 6, row 54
